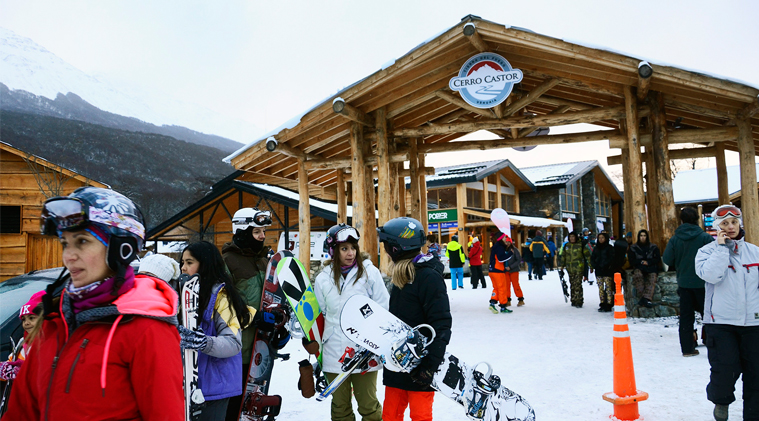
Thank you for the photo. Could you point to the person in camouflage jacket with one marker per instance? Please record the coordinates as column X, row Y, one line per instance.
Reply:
column 574, row 256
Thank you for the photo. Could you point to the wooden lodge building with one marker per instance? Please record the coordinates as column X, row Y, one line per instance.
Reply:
column 391, row 119
column 27, row 181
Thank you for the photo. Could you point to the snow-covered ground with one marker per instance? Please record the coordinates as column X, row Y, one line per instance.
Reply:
column 556, row 356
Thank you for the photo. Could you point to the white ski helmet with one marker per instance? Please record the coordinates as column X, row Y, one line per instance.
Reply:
column 250, row 217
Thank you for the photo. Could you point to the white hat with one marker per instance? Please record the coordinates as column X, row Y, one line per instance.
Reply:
column 726, row 211
column 475, row 239
column 161, row 266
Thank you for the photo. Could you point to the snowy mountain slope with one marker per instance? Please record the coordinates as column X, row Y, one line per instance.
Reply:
column 27, row 66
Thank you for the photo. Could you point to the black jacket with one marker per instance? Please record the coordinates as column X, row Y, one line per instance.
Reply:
column 620, row 255
column 649, row 253
column 425, row 300
column 602, row 259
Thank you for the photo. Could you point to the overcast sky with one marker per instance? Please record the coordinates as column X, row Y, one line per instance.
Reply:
column 266, row 62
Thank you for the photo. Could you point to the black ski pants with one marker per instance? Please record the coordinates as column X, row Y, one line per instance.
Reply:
column 537, row 267
column 733, row 350
column 476, row 276
column 691, row 301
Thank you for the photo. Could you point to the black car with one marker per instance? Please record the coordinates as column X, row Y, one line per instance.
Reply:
column 14, row 293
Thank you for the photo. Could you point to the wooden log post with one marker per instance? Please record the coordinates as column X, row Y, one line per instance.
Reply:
column 638, row 211
column 485, row 193
column 460, row 204
column 342, row 198
column 370, row 219
column 423, row 193
column 402, row 211
column 498, row 203
column 414, row 189
column 666, row 207
column 359, row 187
column 653, row 202
column 722, row 190
column 627, row 208
column 394, row 199
column 384, row 177
column 749, row 194
column 304, row 215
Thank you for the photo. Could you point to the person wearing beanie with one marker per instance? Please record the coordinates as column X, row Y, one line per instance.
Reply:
column 645, row 260
column 475, row 264
column 539, row 250
column 504, row 271
column 456, row 258
column 29, row 314
column 160, row 266
column 730, row 269
column 433, row 247
column 575, row 257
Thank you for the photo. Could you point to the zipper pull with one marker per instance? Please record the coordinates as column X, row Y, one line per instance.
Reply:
column 55, row 362
column 84, row 343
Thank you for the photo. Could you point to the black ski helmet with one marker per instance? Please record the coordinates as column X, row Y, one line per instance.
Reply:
column 402, row 237
column 339, row 233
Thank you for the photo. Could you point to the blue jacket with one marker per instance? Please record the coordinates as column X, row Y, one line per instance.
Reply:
column 219, row 377
column 551, row 247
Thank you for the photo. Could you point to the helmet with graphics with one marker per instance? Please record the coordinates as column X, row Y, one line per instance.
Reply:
column 403, row 237
column 250, row 217
column 340, row 233
column 112, row 213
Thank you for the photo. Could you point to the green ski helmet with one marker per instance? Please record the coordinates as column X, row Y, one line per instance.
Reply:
column 403, row 237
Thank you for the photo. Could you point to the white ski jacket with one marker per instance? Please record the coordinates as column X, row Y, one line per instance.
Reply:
column 731, row 272
column 331, row 302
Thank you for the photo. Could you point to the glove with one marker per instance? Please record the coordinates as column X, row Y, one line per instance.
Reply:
column 422, row 375
column 9, row 370
column 192, row 339
column 264, row 321
column 281, row 338
column 312, row 347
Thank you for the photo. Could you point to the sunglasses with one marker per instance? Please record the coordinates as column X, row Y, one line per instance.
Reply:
column 63, row 213
column 724, row 211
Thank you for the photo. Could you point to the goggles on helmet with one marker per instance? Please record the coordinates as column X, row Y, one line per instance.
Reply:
column 725, row 211
column 346, row 234
column 260, row 219
column 63, row 213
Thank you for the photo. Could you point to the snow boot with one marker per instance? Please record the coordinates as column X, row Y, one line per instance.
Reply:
column 521, row 302
column 306, row 382
column 493, row 308
column 508, row 302
column 505, row 310
column 720, row 412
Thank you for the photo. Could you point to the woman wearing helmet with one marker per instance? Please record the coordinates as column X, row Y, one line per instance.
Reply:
column 108, row 347
column 418, row 296
column 348, row 273
column 730, row 268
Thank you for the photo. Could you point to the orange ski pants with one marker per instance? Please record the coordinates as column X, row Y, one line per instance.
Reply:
column 502, row 283
column 397, row 400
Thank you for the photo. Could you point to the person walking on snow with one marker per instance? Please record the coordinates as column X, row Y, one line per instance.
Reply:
column 504, row 271
column 730, row 268
column 550, row 260
column 108, row 346
column 680, row 255
column 349, row 272
column 574, row 258
column 527, row 257
column 475, row 264
column 539, row 250
column 645, row 259
column 433, row 247
column 602, row 259
column 456, row 259
column 418, row 296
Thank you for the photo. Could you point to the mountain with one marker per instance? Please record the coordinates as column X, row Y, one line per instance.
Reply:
column 27, row 66
column 161, row 174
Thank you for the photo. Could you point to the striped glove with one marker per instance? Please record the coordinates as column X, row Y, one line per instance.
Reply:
column 192, row 339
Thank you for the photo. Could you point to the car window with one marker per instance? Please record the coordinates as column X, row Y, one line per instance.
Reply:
column 16, row 295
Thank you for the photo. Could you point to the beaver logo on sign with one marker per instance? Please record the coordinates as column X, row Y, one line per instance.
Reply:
column 485, row 80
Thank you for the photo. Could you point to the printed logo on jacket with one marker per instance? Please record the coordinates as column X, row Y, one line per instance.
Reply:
column 485, row 80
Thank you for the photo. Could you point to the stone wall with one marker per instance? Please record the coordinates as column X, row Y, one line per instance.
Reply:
column 588, row 197
column 666, row 300
column 534, row 203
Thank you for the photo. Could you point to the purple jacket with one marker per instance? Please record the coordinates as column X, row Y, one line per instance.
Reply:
column 218, row 378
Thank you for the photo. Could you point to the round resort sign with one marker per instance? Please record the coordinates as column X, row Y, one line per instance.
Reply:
column 485, row 80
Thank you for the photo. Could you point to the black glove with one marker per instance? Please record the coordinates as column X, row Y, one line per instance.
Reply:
column 422, row 375
column 264, row 321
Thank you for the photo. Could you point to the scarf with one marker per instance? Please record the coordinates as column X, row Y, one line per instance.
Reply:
column 98, row 294
column 346, row 269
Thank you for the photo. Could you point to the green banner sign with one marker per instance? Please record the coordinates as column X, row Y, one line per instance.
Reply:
column 442, row 215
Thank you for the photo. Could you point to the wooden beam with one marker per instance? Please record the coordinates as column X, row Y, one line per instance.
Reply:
column 531, row 96
column 635, row 194
column 474, row 38
column 644, row 80
column 670, row 102
column 413, row 165
column 722, row 190
column 339, row 106
column 448, row 97
column 342, row 198
column 587, row 116
column 359, row 187
column 652, row 200
column 498, row 203
column 666, row 206
column 626, row 187
column 384, row 187
column 370, row 217
column 717, row 134
column 342, row 163
column 527, row 130
column 401, row 173
column 460, row 205
column 750, row 110
column 304, row 216
column 749, row 196
column 394, row 201
column 422, row 193
column 557, row 139
column 685, row 153
column 288, row 150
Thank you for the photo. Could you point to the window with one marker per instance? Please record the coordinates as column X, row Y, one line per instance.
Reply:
column 603, row 203
column 509, row 202
column 10, row 219
column 570, row 198
column 441, row 198
column 491, row 200
column 474, row 198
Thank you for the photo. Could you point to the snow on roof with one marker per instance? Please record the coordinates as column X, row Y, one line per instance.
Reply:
column 695, row 186
column 545, row 175
column 455, row 171
column 532, row 221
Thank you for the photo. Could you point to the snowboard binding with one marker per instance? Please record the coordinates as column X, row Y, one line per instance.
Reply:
column 484, row 386
column 357, row 360
column 261, row 407
column 409, row 351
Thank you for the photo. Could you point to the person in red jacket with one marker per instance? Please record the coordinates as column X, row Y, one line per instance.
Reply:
column 108, row 347
column 475, row 264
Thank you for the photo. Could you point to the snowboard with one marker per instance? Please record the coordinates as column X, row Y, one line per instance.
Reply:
column 256, row 403
column 194, row 399
column 564, row 286
column 16, row 349
column 400, row 347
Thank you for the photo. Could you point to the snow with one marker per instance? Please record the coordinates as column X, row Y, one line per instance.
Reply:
column 558, row 357
column 696, row 186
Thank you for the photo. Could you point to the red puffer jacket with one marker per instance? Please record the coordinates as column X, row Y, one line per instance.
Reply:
column 116, row 366
column 475, row 254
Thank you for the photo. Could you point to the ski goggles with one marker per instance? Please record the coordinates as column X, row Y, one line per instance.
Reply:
column 260, row 219
column 346, row 234
column 725, row 211
column 63, row 213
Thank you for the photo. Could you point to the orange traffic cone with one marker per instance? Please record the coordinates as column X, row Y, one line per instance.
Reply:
column 625, row 396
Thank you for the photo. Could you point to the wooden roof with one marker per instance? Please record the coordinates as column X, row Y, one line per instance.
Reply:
column 34, row 159
column 582, row 83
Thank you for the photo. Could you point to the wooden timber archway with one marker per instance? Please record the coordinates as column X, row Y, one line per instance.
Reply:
column 406, row 110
